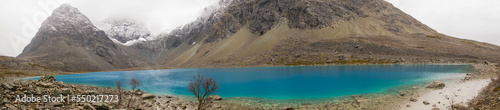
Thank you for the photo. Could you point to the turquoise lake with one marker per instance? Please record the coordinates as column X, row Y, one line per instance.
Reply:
column 298, row 82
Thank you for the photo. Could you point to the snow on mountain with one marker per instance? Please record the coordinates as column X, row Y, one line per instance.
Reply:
column 125, row 31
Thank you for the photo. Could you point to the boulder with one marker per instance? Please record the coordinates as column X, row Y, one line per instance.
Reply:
column 288, row 108
column 147, row 96
column 436, row 84
column 66, row 91
column 47, row 78
column 10, row 107
column 426, row 103
column 486, row 62
column 402, row 93
column 214, row 97
column 413, row 99
column 7, row 86
column 138, row 93
column 355, row 96
column 43, row 84
column 216, row 106
column 92, row 92
column 169, row 97
column 88, row 106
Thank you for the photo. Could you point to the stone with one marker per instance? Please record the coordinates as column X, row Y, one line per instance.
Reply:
column 147, row 96
column 401, row 93
column 60, row 83
column 287, row 108
column 100, row 106
column 214, row 97
column 363, row 101
column 7, row 86
column 355, row 96
column 408, row 106
column 346, row 102
column 413, row 99
column 459, row 106
column 43, row 84
column 53, row 104
column 435, row 108
column 216, row 106
column 414, row 87
column 436, row 84
column 88, row 107
column 66, row 91
column 11, row 107
column 486, row 62
column 426, row 103
column 467, row 78
column 138, row 93
column 47, row 78
column 168, row 97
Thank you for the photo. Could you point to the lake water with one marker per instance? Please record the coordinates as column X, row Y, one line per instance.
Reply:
column 298, row 82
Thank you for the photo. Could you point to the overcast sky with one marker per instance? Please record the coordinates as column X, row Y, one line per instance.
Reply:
column 470, row 19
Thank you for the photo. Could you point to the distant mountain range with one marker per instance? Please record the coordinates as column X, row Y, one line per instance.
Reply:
column 68, row 41
column 240, row 33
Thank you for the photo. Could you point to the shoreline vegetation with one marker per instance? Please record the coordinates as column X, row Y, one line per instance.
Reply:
column 416, row 97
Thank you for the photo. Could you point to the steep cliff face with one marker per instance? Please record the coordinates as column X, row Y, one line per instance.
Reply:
column 68, row 41
column 307, row 32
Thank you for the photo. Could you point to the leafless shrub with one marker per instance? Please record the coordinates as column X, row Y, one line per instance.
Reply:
column 202, row 87
column 134, row 83
column 118, row 85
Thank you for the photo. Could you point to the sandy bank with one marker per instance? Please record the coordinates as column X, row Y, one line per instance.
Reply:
column 458, row 91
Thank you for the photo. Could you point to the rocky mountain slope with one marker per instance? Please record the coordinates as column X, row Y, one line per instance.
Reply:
column 309, row 32
column 68, row 41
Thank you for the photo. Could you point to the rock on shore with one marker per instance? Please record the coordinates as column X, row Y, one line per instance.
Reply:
column 436, row 84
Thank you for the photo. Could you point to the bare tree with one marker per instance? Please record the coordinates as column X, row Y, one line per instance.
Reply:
column 134, row 83
column 118, row 85
column 201, row 87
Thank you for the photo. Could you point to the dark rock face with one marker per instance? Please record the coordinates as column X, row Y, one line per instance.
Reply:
column 68, row 41
column 262, row 15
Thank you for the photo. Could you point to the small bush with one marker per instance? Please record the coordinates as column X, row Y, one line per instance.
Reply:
column 202, row 87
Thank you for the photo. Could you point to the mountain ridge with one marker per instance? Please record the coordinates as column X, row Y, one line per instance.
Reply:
column 355, row 27
column 68, row 41
column 243, row 33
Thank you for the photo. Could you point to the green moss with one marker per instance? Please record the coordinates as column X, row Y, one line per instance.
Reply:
column 434, row 36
